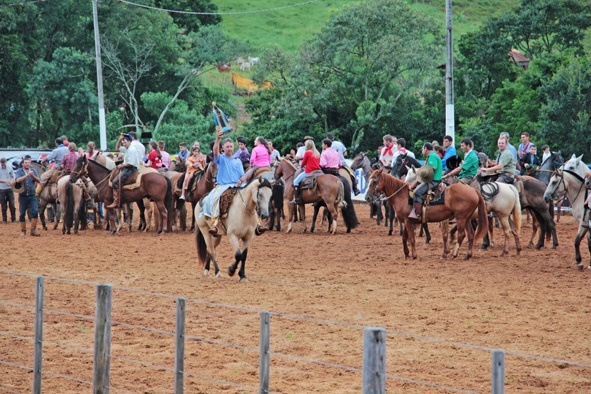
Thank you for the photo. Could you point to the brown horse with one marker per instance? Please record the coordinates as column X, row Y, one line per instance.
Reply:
column 328, row 189
column 205, row 183
column 460, row 201
column 154, row 185
column 71, row 197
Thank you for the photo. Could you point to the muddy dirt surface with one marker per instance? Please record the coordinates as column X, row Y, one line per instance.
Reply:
column 443, row 316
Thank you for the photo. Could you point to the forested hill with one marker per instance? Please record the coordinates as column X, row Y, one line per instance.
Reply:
column 288, row 23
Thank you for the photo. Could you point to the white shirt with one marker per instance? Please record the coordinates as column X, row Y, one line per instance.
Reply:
column 388, row 159
column 408, row 154
column 300, row 153
column 140, row 148
column 132, row 156
column 339, row 147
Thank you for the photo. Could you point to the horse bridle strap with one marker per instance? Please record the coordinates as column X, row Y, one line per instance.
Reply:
column 265, row 183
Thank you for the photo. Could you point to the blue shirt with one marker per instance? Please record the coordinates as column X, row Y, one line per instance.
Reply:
column 229, row 170
column 184, row 154
column 449, row 152
column 513, row 151
column 57, row 155
column 29, row 182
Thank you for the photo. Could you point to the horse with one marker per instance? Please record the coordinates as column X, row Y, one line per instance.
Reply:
column 276, row 205
column 460, row 201
column 328, row 188
column 152, row 184
column 544, row 173
column 71, row 198
column 224, row 68
column 239, row 226
column 363, row 162
column 570, row 178
column 127, row 207
column 503, row 200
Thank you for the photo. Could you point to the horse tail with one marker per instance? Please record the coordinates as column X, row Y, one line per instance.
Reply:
column 69, row 208
column 341, row 195
column 517, row 211
column 201, row 247
column 482, row 229
column 348, row 212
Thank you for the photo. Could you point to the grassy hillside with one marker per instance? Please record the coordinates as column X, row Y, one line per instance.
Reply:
column 290, row 27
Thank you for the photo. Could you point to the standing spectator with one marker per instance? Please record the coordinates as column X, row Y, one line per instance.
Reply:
column 530, row 162
column 449, row 151
column 27, row 200
column 6, row 192
column 69, row 160
column 165, row 155
column 183, row 152
column 155, row 157
column 388, row 151
column 242, row 153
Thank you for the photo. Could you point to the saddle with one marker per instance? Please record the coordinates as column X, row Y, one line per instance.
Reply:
column 309, row 181
column 57, row 174
column 135, row 180
column 226, row 200
column 436, row 196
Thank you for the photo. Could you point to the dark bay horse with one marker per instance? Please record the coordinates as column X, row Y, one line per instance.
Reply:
column 544, row 173
column 71, row 197
column 239, row 226
column 460, row 201
column 153, row 185
column 328, row 188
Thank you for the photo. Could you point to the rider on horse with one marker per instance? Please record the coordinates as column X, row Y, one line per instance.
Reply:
column 230, row 170
column 195, row 163
column 340, row 148
column 310, row 163
column 56, row 155
column 469, row 167
column 434, row 161
column 505, row 164
column 131, row 163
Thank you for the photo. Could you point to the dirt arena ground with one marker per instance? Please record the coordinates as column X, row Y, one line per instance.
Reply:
column 443, row 316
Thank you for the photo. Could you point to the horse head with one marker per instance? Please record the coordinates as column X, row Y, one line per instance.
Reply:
column 357, row 160
column 80, row 169
column 576, row 165
column 264, row 192
column 375, row 186
column 411, row 174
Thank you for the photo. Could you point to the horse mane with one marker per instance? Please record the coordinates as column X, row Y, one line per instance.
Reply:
column 97, row 163
column 392, row 181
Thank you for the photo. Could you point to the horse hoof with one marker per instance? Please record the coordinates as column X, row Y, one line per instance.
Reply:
column 467, row 257
column 580, row 266
column 231, row 271
column 206, row 273
column 219, row 274
column 244, row 279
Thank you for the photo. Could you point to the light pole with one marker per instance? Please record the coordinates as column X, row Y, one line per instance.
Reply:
column 99, row 78
column 449, row 75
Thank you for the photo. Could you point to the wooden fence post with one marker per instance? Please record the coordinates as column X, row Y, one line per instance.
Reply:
column 102, row 339
column 264, row 356
column 38, row 353
column 374, row 360
column 179, row 355
column 498, row 372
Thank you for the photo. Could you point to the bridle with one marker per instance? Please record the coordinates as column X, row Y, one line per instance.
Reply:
column 559, row 174
column 264, row 183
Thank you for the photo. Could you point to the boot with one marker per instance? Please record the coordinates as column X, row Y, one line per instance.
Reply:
column 213, row 230
column 115, row 203
column 296, row 195
column 23, row 229
column 39, row 189
column 34, row 232
column 416, row 212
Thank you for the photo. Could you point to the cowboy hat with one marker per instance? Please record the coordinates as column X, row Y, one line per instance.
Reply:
column 18, row 187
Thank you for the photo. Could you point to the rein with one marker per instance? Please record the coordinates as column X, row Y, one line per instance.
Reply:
column 395, row 193
column 262, row 184
column 577, row 176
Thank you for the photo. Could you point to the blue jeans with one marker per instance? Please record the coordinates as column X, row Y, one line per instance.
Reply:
column 28, row 203
column 299, row 179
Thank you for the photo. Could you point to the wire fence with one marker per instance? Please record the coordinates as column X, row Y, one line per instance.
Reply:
column 121, row 355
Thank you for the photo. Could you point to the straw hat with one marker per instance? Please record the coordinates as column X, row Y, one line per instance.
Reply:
column 17, row 187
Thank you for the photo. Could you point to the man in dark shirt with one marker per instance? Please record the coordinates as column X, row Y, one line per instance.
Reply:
column 27, row 200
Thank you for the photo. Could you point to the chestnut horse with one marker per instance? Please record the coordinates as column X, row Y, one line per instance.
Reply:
column 328, row 189
column 154, row 185
column 460, row 201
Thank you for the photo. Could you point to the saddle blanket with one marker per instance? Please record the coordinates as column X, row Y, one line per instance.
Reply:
column 133, row 184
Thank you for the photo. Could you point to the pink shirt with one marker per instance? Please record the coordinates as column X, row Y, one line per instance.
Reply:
column 330, row 158
column 260, row 157
column 165, row 159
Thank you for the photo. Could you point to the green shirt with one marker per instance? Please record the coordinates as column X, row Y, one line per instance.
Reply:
column 469, row 165
column 434, row 161
column 506, row 159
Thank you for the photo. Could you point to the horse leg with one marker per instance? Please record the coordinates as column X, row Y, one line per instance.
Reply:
column 290, row 209
column 314, row 216
column 58, row 214
column 506, row 231
column 460, row 223
column 589, row 246
column 405, row 242
column 410, row 231
column 42, row 207
column 163, row 216
column 580, row 234
column 392, row 216
column 444, row 226
column 302, row 211
column 111, row 218
column 535, row 226
column 425, row 227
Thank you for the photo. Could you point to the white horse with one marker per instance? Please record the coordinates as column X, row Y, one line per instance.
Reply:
column 502, row 199
column 239, row 225
column 244, row 66
column 571, row 178
column 253, row 60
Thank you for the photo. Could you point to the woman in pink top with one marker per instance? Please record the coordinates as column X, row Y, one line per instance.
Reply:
column 260, row 157
column 91, row 153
